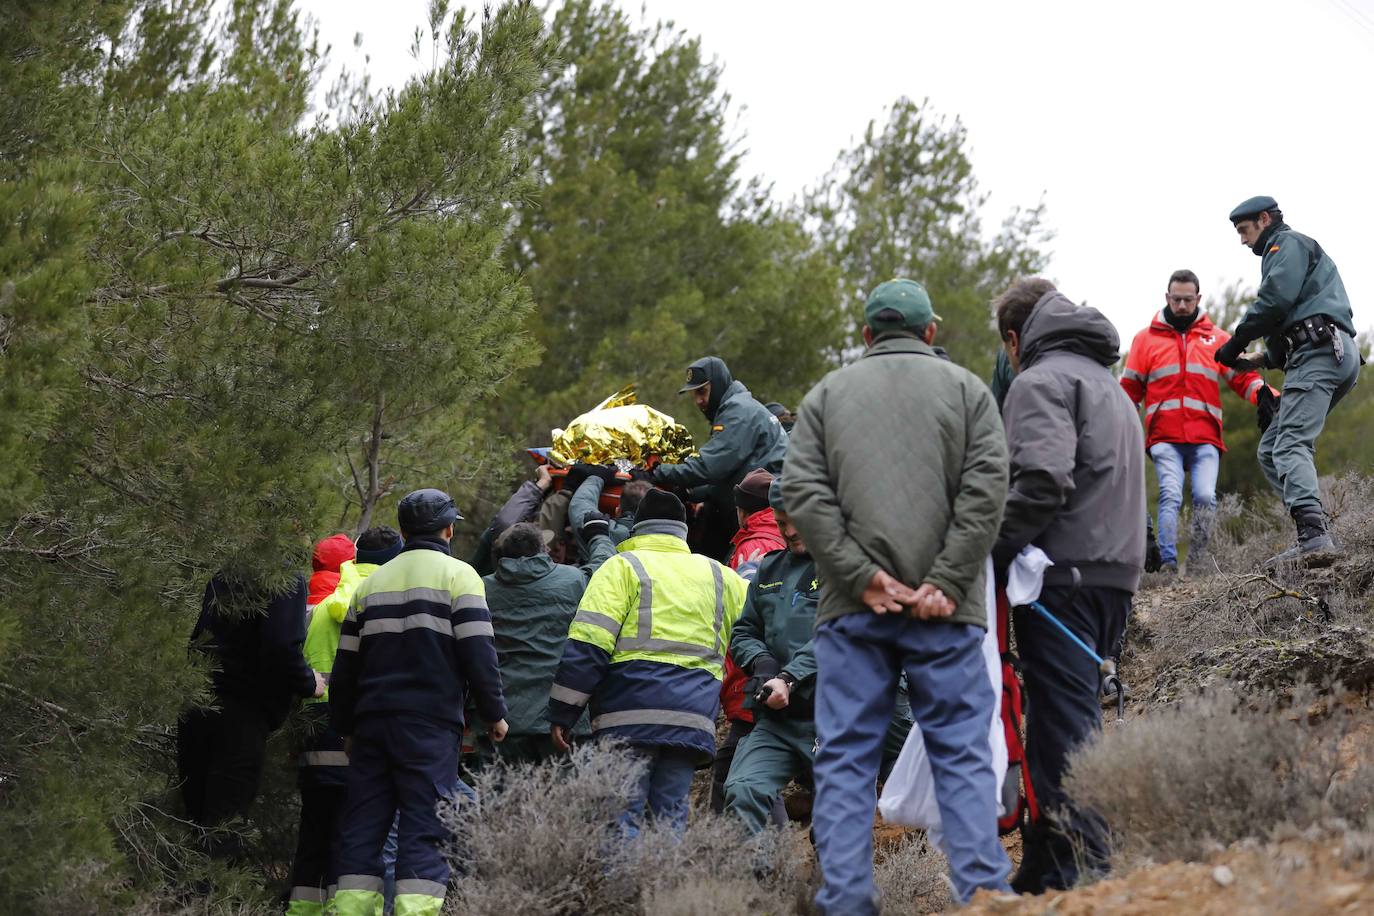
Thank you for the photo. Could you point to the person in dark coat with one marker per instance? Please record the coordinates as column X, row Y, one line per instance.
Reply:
column 251, row 635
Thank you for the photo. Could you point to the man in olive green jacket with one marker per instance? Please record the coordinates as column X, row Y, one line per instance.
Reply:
column 896, row 476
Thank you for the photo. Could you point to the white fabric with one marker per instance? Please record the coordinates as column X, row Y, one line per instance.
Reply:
column 909, row 794
column 1027, row 576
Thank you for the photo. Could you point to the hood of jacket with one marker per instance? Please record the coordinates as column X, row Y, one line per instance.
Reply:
column 332, row 552
column 718, row 374
column 521, row 570
column 1057, row 325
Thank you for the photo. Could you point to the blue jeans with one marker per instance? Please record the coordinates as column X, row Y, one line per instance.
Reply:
column 859, row 657
column 1172, row 460
column 662, row 789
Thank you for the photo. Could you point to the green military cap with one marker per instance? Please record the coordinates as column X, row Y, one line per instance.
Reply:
column 1253, row 207
column 907, row 298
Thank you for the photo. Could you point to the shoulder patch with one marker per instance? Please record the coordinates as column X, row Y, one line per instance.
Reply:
column 718, row 428
column 1273, row 249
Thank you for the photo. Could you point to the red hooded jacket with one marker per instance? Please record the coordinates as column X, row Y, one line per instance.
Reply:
column 759, row 536
column 330, row 554
column 1178, row 379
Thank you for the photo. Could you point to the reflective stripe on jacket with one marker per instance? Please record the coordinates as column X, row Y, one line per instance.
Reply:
column 1177, row 378
column 416, row 639
column 647, row 647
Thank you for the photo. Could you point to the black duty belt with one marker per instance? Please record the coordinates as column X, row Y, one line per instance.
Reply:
column 1318, row 331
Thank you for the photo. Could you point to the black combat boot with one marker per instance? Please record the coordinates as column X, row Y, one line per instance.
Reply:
column 1315, row 543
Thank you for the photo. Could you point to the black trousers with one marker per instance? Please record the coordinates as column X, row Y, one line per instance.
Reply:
column 1062, row 711
column 220, row 754
column 313, row 869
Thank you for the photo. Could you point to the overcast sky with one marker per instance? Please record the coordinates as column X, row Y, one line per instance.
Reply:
column 1141, row 125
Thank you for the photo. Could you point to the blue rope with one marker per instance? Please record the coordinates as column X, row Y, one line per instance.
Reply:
column 1044, row 612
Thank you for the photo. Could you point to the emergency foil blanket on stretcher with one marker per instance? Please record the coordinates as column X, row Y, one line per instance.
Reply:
column 619, row 428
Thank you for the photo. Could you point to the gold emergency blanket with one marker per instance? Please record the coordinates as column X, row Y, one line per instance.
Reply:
column 621, row 428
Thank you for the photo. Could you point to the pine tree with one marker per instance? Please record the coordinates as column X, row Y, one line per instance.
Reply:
column 204, row 301
column 905, row 203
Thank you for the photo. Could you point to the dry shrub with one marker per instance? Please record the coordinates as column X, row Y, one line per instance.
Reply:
column 1217, row 768
column 912, row 877
column 541, row 840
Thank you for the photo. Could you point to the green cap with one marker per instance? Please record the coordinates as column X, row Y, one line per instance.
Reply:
column 1253, row 207
column 907, row 298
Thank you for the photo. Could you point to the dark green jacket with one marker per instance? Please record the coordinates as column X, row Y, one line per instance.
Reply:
column 778, row 620
column 898, row 462
column 533, row 601
column 587, row 499
column 1297, row 280
column 744, row 436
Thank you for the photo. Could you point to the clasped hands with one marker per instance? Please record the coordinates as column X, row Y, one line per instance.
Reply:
column 887, row 595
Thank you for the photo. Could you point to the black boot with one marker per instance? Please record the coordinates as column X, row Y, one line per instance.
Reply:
column 1315, row 543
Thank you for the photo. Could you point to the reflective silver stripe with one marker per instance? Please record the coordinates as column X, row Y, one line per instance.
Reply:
column 324, row 759
column 331, row 892
column 310, row 894
column 1162, row 372
column 1170, row 404
column 671, row 717
column 1200, row 369
column 1195, row 404
column 360, row 883
column 413, row 622
column 1254, row 386
column 420, row 886
column 678, row 648
column 348, row 644
column 644, row 624
column 433, row 595
column 568, row 695
column 1227, row 373
column 1132, row 375
column 719, row 578
column 473, row 628
column 595, row 619
column 463, row 602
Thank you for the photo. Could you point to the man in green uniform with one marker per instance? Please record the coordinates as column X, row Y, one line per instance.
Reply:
column 744, row 436
column 1304, row 316
column 772, row 642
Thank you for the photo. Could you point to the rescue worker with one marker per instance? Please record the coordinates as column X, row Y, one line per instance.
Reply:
column 1304, row 316
column 417, row 640
column 323, row 764
column 1078, row 493
column 524, row 505
column 783, row 414
column 757, row 536
column 900, row 520
column 326, row 560
column 645, row 653
column 744, row 436
column 773, row 642
column 251, row 635
column 532, row 602
column 1172, row 369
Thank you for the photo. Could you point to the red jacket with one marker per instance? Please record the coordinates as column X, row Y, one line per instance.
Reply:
column 759, row 536
column 1178, row 379
column 330, row 554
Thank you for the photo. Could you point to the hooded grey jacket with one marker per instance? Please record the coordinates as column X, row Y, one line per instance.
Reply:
column 1077, row 453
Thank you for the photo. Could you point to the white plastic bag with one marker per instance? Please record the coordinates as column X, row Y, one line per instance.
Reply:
column 909, row 794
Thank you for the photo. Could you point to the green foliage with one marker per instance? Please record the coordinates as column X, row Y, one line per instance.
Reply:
column 645, row 249
column 202, row 302
column 905, row 203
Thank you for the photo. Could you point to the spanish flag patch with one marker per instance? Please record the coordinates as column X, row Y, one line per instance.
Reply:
column 1274, row 249
column 717, row 429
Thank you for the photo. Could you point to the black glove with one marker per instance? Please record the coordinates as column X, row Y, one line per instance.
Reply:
column 595, row 523
column 577, row 475
column 1266, row 407
column 1229, row 352
column 641, row 474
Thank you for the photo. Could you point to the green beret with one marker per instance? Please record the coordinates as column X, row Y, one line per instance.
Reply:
column 1254, row 207
column 907, row 298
